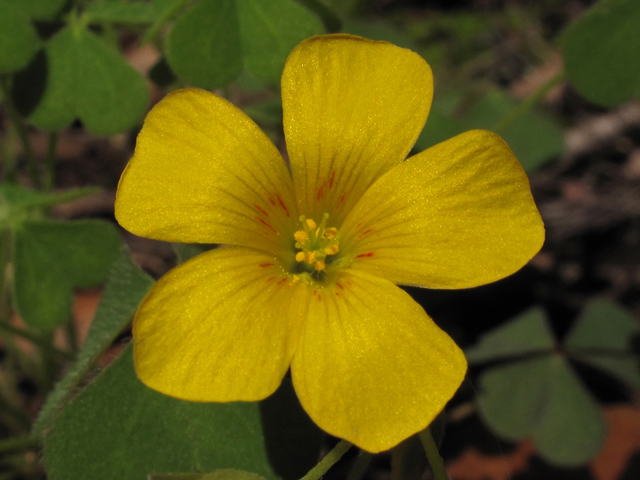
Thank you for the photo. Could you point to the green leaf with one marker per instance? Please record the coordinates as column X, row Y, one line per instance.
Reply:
column 211, row 43
column 204, row 45
column 601, row 52
column 267, row 113
column 533, row 137
column 510, row 397
column 525, row 334
column 439, row 127
column 603, row 337
column 17, row 197
column 118, row 429
column 544, row 399
column 331, row 20
column 378, row 30
column 124, row 290
column 117, row 11
column 572, row 429
column 38, row 9
column 90, row 81
column 225, row 474
column 18, row 39
column 270, row 30
column 186, row 251
column 51, row 258
column 603, row 325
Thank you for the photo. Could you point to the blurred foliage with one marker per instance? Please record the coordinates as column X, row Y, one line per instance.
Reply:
column 68, row 63
column 535, row 393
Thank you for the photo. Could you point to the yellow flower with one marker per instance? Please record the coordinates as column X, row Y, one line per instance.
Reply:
column 315, row 249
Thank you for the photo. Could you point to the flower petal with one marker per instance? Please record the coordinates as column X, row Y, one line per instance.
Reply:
column 220, row 327
column 371, row 366
column 353, row 108
column 203, row 172
column 457, row 215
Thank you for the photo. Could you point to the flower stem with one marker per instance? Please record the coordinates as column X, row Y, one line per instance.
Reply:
column 19, row 444
column 328, row 461
column 519, row 110
column 22, row 133
column 34, row 338
column 362, row 463
column 49, row 179
column 433, row 456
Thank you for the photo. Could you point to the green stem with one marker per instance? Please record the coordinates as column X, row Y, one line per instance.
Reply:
column 328, row 461
column 532, row 100
column 72, row 336
column 34, row 338
column 49, row 174
column 362, row 463
column 19, row 444
column 22, row 133
column 433, row 456
column 166, row 16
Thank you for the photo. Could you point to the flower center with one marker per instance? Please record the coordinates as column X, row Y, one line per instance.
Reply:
column 315, row 242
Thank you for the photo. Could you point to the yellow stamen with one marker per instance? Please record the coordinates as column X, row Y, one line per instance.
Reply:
column 332, row 250
column 331, row 233
column 316, row 243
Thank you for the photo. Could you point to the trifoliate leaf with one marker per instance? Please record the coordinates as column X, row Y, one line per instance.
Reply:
column 525, row 334
column 270, row 30
column 118, row 429
column 603, row 336
column 204, row 45
column 601, row 52
column 378, row 31
column 51, row 258
column 18, row 38
column 534, row 137
column 90, row 81
column 125, row 288
column 210, row 44
column 543, row 398
column 571, row 430
column 38, row 9
column 117, row 11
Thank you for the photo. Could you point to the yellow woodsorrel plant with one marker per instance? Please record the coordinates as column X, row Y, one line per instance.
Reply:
column 316, row 247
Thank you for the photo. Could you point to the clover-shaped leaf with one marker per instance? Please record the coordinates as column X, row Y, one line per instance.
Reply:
column 51, row 258
column 533, row 136
column 124, row 289
column 90, row 81
column 528, row 333
column 117, row 11
column 38, row 9
column 601, row 52
column 18, row 38
column 537, row 394
column 118, row 429
column 210, row 44
column 603, row 337
column 543, row 398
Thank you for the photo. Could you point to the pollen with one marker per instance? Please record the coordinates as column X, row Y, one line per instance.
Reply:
column 316, row 243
